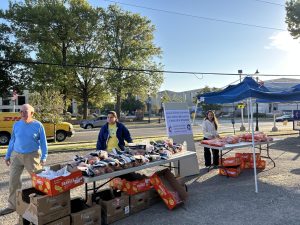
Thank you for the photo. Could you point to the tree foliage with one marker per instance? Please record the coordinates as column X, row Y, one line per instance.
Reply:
column 205, row 107
column 61, row 32
column 293, row 17
column 131, row 104
column 48, row 105
column 129, row 44
column 14, row 76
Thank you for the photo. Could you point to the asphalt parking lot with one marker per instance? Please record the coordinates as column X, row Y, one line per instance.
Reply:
column 214, row 199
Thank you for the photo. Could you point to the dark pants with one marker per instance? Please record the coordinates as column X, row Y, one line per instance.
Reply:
column 207, row 156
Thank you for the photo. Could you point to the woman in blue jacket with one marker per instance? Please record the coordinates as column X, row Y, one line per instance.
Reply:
column 113, row 134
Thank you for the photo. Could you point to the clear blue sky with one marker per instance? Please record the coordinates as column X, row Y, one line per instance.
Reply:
column 190, row 43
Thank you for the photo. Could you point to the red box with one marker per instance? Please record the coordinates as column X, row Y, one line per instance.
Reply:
column 231, row 161
column 247, row 157
column 230, row 171
column 59, row 184
column 169, row 189
column 260, row 164
column 131, row 186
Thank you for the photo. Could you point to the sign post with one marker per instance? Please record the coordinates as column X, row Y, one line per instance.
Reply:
column 179, row 128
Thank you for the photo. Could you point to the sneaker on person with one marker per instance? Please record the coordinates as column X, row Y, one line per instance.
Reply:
column 6, row 211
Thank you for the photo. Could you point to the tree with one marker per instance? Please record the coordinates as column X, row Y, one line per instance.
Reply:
column 48, row 105
column 293, row 17
column 129, row 44
column 205, row 107
column 131, row 104
column 14, row 76
column 52, row 30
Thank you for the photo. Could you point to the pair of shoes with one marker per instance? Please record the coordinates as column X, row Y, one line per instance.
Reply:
column 216, row 167
column 6, row 211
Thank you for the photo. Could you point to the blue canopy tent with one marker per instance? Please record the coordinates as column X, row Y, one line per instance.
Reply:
column 248, row 89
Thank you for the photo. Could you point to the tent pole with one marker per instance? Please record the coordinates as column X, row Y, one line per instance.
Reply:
column 248, row 114
column 253, row 147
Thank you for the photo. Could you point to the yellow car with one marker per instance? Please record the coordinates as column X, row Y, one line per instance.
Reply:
column 7, row 119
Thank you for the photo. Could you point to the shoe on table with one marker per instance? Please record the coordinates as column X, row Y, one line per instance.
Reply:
column 6, row 211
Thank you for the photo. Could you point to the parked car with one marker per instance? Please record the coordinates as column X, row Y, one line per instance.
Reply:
column 7, row 120
column 97, row 122
column 284, row 117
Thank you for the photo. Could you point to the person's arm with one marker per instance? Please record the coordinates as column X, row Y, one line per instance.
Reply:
column 127, row 135
column 99, row 141
column 10, row 146
column 44, row 145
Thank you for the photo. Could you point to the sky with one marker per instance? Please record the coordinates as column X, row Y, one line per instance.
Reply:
column 217, row 36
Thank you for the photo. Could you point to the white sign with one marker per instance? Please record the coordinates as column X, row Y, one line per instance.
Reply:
column 178, row 122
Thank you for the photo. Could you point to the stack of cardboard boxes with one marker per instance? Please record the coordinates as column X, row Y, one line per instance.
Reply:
column 233, row 166
column 48, row 202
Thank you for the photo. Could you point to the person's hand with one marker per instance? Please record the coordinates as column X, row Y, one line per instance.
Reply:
column 43, row 162
column 7, row 162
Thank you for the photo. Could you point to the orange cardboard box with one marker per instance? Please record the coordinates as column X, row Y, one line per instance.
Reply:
column 260, row 164
column 130, row 185
column 169, row 189
column 230, row 171
column 231, row 161
column 59, row 184
column 247, row 157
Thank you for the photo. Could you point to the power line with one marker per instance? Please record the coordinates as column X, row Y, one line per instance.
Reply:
column 199, row 17
column 139, row 70
column 272, row 3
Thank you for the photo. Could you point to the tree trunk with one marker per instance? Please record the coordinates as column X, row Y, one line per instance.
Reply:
column 54, row 132
column 64, row 63
column 118, row 104
column 85, row 106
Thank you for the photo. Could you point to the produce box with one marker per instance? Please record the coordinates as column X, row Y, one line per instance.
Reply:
column 38, row 208
column 139, row 201
column 260, row 164
column 59, row 184
column 63, row 221
column 247, row 157
column 169, row 189
column 114, row 205
column 131, row 183
column 82, row 214
column 230, row 161
column 230, row 171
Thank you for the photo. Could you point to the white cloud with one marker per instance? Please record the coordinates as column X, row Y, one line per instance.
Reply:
column 290, row 49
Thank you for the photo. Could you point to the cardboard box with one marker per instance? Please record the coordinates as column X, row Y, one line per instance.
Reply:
column 260, row 164
column 57, row 185
column 139, row 202
column 230, row 161
column 169, row 189
column 82, row 214
column 114, row 205
column 247, row 157
column 230, row 171
column 153, row 197
column 131, row 183
column 63, row 221
column 38, row 208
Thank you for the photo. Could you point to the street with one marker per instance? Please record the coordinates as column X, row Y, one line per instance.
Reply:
column 154, row 130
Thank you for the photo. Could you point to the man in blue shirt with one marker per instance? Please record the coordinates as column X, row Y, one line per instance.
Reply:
column 28, row 137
